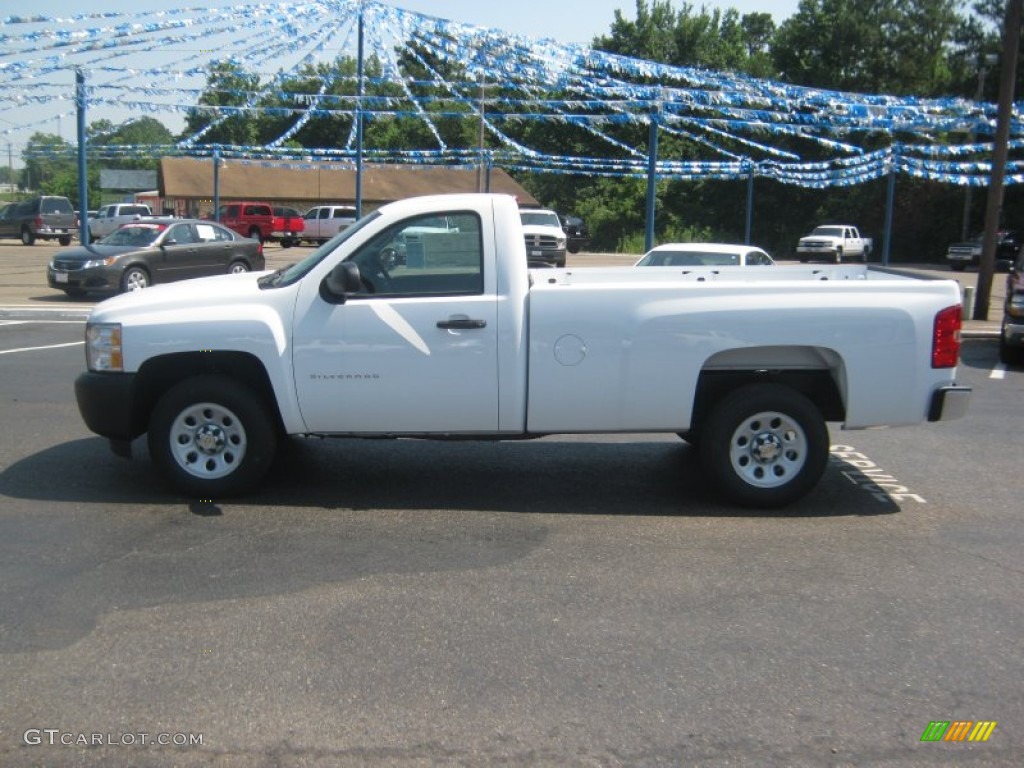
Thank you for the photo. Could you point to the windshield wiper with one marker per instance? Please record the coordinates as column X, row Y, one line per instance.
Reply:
column 273, row 279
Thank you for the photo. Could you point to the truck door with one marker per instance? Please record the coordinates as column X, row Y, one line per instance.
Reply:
column 415, row 351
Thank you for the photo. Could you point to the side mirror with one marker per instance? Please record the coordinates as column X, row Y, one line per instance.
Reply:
column 340, row 282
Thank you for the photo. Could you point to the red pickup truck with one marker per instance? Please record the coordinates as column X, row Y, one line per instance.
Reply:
column 255, row 220
column 288, row 226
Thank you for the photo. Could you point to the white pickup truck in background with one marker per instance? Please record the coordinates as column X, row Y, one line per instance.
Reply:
column 834, row 243
column 110, row 217
column 465, row 341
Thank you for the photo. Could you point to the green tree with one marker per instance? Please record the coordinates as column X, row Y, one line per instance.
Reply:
column 227, row 85
column 899, row 47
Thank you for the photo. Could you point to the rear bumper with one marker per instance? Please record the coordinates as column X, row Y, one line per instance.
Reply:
column 949, row 402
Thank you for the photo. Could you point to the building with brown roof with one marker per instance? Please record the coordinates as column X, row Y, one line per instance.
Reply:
column 186, row 184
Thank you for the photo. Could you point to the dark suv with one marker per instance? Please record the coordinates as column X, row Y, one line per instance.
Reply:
column 1011, row 335
column 41, row 218
column 576, row 234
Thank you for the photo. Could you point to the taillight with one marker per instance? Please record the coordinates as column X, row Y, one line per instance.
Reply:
column 946, row 338
column 39, row 222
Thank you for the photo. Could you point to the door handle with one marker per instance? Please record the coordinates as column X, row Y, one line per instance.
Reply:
column 461, row 323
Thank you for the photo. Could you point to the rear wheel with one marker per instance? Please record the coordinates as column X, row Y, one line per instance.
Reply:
column 764, row 445
column 210, row 436
column 28, row 237
column 238, row 267
column 64, row 240
column 255, row 234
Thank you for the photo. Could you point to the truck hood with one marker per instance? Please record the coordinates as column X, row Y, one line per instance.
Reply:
column 198, row 296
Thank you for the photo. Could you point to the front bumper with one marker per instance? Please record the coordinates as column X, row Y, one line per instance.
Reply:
column 106, row 402
column 949, row 402
column 92, row 279
column 553, row 256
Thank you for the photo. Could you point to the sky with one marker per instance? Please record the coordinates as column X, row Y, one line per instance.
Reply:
column 568, row 21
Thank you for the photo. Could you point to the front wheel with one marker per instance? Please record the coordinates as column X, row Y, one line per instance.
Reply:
column 764, row 445
column 212, row 437
column 134, row 279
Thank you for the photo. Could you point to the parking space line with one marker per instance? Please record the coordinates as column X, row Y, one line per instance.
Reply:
column 37, row 349
column 999, row 372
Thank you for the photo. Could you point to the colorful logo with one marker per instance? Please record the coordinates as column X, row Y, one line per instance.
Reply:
column 958, row 730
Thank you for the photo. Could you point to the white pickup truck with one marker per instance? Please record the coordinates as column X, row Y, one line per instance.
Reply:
column 834, row 242
column 110, row 217
column 463, row 340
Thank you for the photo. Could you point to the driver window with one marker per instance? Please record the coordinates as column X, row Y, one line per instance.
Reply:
column 425, row 256
column 181, row 234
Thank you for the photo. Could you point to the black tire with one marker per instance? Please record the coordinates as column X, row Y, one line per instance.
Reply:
column 839, row 255
column 764, row 445
column 134, row 279
column 1008, row 354
column 237, row 267
column 28, row 237
column 287, row 243
column 255, row 234
column 212, row 437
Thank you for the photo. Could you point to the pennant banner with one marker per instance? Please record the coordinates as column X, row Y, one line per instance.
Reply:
column 295, row 62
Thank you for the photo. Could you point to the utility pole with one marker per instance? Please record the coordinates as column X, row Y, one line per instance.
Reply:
column 994, row 209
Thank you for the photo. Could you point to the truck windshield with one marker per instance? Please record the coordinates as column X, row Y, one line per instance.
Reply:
column 828, row 232
column 295, row 272
column 537, row 219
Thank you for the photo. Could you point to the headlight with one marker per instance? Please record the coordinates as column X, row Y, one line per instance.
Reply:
column 103, row 347
column 560, row 242
column 99, row 263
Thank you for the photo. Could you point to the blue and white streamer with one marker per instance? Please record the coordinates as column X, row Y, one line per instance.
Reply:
column 429, row 69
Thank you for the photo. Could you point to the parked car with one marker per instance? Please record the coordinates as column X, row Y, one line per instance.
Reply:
column 577, row 235
column 47, row 217
column 704, row 255
column 323, row 222
column 545, row 239
column 288, row 226
column 249, row 219
column 968, row 253
column 1011, row 336
column 151, row 251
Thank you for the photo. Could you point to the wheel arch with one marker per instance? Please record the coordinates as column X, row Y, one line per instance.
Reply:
column 816, row 372
column 159, row 374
